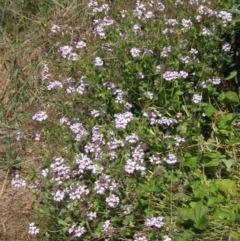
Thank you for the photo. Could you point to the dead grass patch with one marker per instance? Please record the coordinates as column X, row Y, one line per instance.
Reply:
column 16, row 206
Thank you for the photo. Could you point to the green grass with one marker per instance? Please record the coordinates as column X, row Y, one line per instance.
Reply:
column 189, row 118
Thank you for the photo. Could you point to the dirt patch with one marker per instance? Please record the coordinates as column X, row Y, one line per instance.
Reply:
column 4, row 83
column 16, row 206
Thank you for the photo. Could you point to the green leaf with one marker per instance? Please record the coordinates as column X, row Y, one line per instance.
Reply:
column 190, row 161
column 200, row 219
column 232, row 75
column 212, row 201
column 226, row 120
column 210, row 110
column 232, row 97
column 221, row 214
column 62, row 222
column 213, row 163
column 197, row 215
column 229, row 162
column 228, row 97
column 227, row 186
column 201, row 192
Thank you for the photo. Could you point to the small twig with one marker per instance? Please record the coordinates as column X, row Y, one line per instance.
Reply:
column 171, row 211
column 4, row 183
column 89, row 229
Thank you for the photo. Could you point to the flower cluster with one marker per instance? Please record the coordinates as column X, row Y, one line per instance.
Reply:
column 76, row 231
column 108, row 228
column 67, row 53
column 40, row 116
column 170, row 159
column 122, row 119
column 112, row 200
column 174, row 75
column 156, row 118
column 137, row 161
column 18, row 182
column 33, row 230
column 105, row 182
column 226, row 17
column 140, row 237
column 157, row 222
column 196, row 98
column 54, row 84
column 98, row 62
column 135, row 52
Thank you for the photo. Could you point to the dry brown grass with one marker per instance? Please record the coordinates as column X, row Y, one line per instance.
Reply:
column 16, row 210
column 22, row 54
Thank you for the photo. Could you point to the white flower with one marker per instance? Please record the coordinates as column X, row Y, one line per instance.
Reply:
column 183, row 74
column 122, row 119
column 198, row 18
column 157, row 222
column 107, row 227
column 135, row 52
column 225, row 16
column 226, row 47
column 166, row 238
column 165, row 51
column 140, row 75
column 112, row 200
column 139, row 237
column 137, row 29
column 123, row 13
column 193, row 51
column 72, row 56
column 77, row 231
column 37, row 136
column 66, row 50
column 206, row 31
column 127, row 208
column 196, row 98
column 54, row 84
column 45, row 72
column 98, row 62
column 55, row 28
column 132, row 138
column 40, row 116
column 171, row 75
column 33, row 230
column 187, row 24
column 58, row 195
column 95, row 113
column 171, row 21
column 155, row 159
column 215, row 80
column 81, row 44
column 170, row 159
column 148, row 15
column 18, row 182
column 91, row 215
